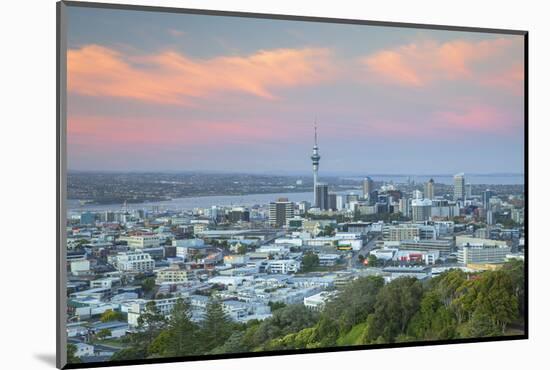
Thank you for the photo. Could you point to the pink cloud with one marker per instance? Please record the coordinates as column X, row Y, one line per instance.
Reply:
column 423, row 63
column 476, row 118
column 511, row 79
column 144, row 131
column 174, row 78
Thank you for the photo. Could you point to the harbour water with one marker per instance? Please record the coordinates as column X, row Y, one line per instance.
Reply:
column 188, row 203
column 179, row 204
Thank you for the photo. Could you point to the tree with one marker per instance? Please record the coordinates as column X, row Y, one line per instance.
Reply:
column 372, row 260
column 310, row 261
column 287, row 320
column 396, row 303
column 130, row 353
column 103, row 333
column 241, row 249
column 276, row 305
column 515, row 269
column 148, row 284
column 328, row 230
column 71, row 354
column 179, row 338
column 351, row 306
column 234, row 344
column 496, row 299
column 361, row 258
column 433, row 321
column 216, row 327
column 111, row 315
column 150, row 324
column 447, row 285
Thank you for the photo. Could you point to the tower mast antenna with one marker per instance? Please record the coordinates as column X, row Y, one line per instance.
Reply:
column 315, row 129
column 315, row 157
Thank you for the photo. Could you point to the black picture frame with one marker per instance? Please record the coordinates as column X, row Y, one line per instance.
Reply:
column 61, row 173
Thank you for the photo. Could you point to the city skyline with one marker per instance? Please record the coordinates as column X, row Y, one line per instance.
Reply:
column 156, row 99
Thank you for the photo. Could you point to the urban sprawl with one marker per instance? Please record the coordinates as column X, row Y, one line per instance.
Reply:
column 254, row 260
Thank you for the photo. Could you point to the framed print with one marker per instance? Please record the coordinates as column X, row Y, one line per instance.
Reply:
column 236, row 184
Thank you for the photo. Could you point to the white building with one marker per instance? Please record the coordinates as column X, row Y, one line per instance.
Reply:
column 280, row 266
column 317, row 302
column 297, row 242
column 106, row 282
column 421, row 209
column 80, row 266
column 135, row 261
column 142, row 241
column 328, row 259
column 173, row 274
column 385, row 254
column 164, row 306
column 186, row 243
column 83, row 349
column 482, row 253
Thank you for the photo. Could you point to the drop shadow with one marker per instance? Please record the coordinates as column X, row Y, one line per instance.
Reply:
column 47, row 358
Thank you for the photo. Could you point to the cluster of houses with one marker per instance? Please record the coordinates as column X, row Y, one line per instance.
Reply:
column 110, row 259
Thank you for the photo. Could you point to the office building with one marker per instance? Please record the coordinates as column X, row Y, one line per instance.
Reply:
column 142, row 241
column 332, row 202
column 404, row 207
column 280, row 211
column 368, row 187
column 135, row 261
column 238, row 214
column 421, row 209
column 443, row 246
column 429, row 189
column 485, row 198
column 87, row 218
column 459, row 187
column 321, row 192
column 340, row 202
column 482, row 253
column 173, row 274
column 490, row 218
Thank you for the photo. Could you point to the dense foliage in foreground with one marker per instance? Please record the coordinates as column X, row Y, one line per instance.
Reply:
column 367, row 311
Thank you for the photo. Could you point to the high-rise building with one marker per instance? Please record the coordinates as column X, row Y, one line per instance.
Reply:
column 315, row 158
column 340, row 202
column 321, row 193
column 468, row 191
column 485, row 198
column 332, row 201
column 404, row 207
column 421, row 209
column 429, row 189
column 87, row 218
column 238, row 214
column 490, row 218
column 368, row 187
column 280, row 211
column 460, row 188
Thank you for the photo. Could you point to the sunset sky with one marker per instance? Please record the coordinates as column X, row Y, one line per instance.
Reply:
column 159, row 91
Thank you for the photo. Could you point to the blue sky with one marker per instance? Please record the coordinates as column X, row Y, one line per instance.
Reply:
column 161, row 91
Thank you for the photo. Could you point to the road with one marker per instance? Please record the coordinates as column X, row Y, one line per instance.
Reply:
column 354, row 261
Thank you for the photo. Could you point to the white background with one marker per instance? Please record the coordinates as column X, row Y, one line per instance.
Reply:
column 27, row 243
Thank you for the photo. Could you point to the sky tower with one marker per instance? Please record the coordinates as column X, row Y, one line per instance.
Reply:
column 315, row 157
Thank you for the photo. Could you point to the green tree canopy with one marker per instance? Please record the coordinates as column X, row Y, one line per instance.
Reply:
column 111, row 315
column 180, row 336
column 310, row 261
column 396, row 304
column 216, row 327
